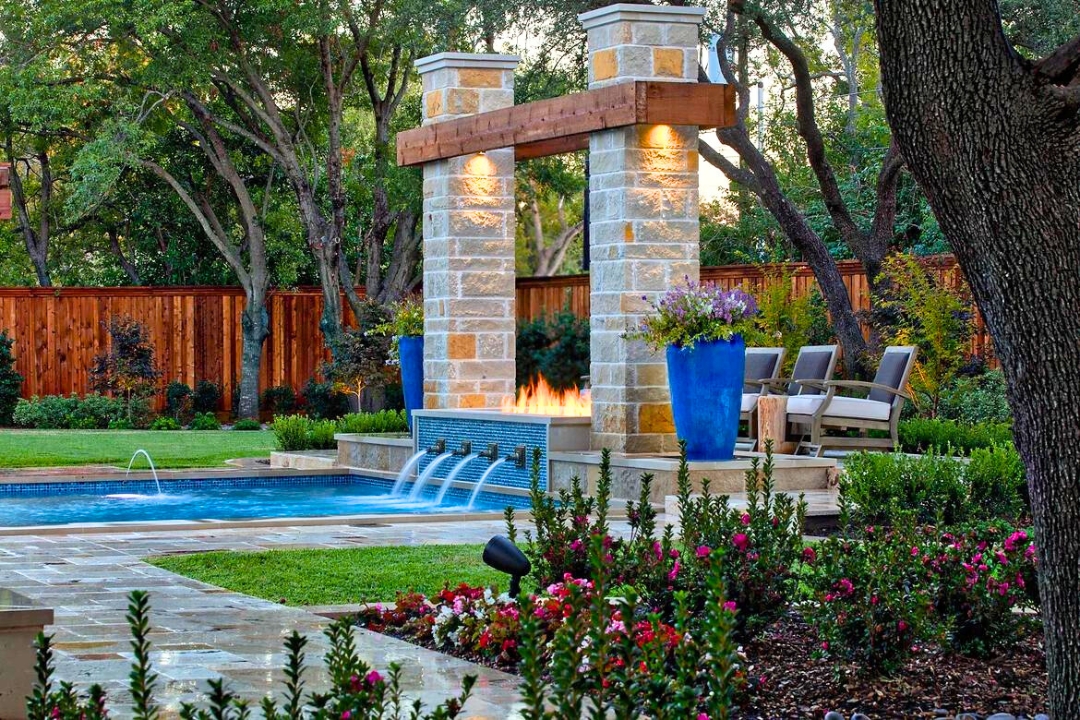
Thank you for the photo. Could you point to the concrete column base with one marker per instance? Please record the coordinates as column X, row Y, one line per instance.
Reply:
column 20, row 622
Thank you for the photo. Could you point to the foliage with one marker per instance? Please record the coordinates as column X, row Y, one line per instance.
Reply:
column 922, row 435
column 696, row 312
column 869, row 607
column 933, row 315
column 788, row 319
column 359, row 362
column 10, row 381
column 165, row 422
column 127, row 368
column 278, row 400
column 976, row 399
column 406, row 320
column 357, row 691
column 56, row 412
column 322, row 434
column 556, row 347
column 178, row 401
column 292, row 432
column 205, row 421
column 759, row 548
column 247, row 425
column 206, row 398
column 883, row 489
column 982, row 575
column 323, row 401
column 384, row 421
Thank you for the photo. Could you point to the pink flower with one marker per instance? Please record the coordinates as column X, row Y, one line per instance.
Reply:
column 373, row 678
column 674, row 572
column 576, row 545
column 730, row 606
column 901, row 626
column 825, row 645
column 745, row 519
column 874, row 600
column 1003, row 588
column 741, row 541
column 703, row 716
column 703, row 551
column 775, row 521
column 1001, row 558
column 809, row 555
column 346, row 715
column 673, row 553
column 1012, row 540
column 914, row 552
column 845, row 586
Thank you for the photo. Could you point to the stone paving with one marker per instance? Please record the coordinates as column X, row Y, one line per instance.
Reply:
column 204, row 632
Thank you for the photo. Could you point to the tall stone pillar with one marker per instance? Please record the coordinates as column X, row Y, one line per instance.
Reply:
column 644, row 228
column 469, row 318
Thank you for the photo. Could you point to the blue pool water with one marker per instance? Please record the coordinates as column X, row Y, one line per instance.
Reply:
column 23, row 505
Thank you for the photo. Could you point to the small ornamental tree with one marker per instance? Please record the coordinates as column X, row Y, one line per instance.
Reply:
column 360, row 356
column 127, row 369
column 10, row 381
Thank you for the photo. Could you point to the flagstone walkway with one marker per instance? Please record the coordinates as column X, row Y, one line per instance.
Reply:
column 204, row 632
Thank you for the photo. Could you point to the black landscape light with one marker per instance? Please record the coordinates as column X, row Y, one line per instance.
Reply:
column 506, row 557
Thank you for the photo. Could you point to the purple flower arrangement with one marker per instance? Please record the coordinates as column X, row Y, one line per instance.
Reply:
column 696, row 312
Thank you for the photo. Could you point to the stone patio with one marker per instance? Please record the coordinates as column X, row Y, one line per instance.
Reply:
column 204, row 632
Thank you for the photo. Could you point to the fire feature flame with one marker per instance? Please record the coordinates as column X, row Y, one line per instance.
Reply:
column 539, row 398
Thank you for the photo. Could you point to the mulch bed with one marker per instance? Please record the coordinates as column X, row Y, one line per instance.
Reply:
column 930, row 685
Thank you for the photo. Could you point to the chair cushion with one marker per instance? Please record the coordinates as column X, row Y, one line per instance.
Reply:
column 890, row 373
column 749, row 401
column 844, row 407
column 810, row 365
column 758, row 365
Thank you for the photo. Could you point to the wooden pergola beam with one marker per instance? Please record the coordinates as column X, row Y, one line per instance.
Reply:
column 563, row 124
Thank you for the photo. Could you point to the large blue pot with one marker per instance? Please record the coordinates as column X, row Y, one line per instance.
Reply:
column 411, row 355
column 706, row 383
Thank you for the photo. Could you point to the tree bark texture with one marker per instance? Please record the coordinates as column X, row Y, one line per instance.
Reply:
column 994, row 142
column 35, row 240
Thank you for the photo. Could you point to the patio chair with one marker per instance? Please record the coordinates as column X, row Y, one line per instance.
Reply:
column 761, row 364
column 879, row 410
column 814, row 362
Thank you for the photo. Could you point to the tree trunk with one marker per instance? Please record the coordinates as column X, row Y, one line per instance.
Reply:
column 994, row 142
column 255, row 324
column 129, row 267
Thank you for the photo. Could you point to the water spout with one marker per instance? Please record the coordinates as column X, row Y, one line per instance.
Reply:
column 399, row 483
column 418, row 486
column 453, row 475
column 483, row 479
column 153, row 470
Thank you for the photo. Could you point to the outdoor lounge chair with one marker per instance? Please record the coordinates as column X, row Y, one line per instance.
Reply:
column 879, row 410
column 761, row 364
column 814, row 363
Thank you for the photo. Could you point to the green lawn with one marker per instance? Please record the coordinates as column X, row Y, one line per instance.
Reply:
column 333, row 577
column 177, row 449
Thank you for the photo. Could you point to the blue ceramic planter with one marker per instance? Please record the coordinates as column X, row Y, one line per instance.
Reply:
column 411, row 355
column 706, row 394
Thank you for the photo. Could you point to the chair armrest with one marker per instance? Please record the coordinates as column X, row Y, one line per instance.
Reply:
column 863, row 385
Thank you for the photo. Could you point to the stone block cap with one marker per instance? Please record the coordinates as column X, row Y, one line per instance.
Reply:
column 628, row 12
column 458, row 60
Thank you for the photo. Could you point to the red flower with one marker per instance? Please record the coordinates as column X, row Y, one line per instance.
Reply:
column 741, row 541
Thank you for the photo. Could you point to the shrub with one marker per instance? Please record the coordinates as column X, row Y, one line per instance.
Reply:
column 165, row 422
column 127, row 369
column 95, row 412
column 976, row 399
column 384, row 421
column 887, row 489
column 922, row 435
column 787, row 318
column 121, row 424
column 356, row 690
column 206, row 398
column 870, row 607
column 360, row 356
column 178, row 401
column 292, row 432
column 556, row 347
column 278, row 400
column 46, row 413
column 247, row 424
column 10, row 381
column 997, row 483
column 321, row 435
column 205, row 421
column 323, row 402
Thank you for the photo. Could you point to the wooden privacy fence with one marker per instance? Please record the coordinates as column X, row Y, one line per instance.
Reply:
column 196, row 330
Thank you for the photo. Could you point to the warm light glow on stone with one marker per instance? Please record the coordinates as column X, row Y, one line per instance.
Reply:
column 480, row 165
column 661, row 136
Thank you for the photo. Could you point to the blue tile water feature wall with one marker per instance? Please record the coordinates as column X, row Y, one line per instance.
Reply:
column 507, row 433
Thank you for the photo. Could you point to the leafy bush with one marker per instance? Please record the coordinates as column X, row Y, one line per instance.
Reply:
column 178, row 401
column 788, row 318
column 922, row 435
column 247, row 424
column 357, row 692
column 292, row 432
column 165, row 422
column 406, row 320
column 10, row 381
column 205, row 421
column 997, row 483
column 976, row 399
column 555, row 347
column 360, row 356
column 323, row 402
column 121, row 424
column 47, row 413
column 56, row 412
column 321, row 435
column 870, row 607
column 206, row 398
column 278, row 400
column 95, row 411
column 127, row 369
column 384, row 421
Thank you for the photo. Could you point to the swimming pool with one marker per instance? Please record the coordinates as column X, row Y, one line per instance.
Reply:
column 224, row 499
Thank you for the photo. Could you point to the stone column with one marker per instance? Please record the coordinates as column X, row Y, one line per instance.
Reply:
column 469, row 318
column 644, row 228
